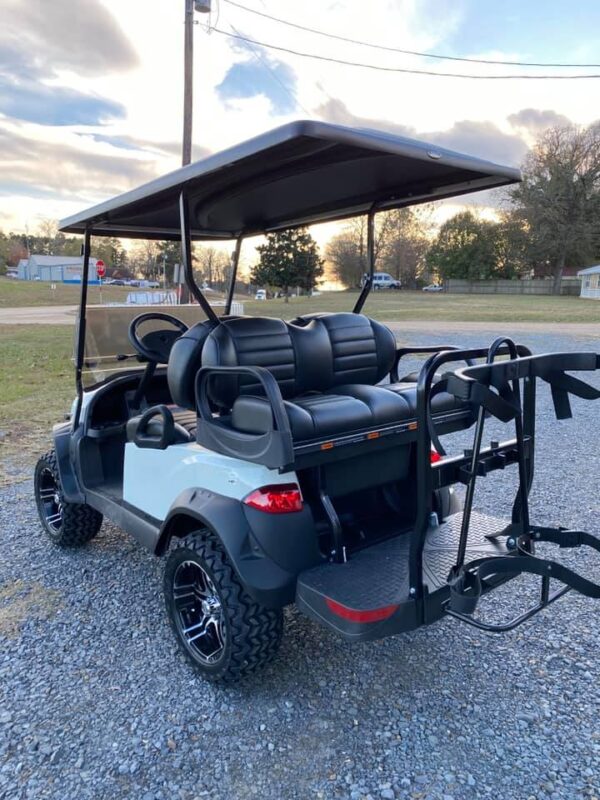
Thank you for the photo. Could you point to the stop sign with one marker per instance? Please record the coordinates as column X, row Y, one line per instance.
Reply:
column 100, row 268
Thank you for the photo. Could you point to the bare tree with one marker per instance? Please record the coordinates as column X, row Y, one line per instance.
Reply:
column 213, row 265
column 47, row 230
column 401, row 241
column 559, row 198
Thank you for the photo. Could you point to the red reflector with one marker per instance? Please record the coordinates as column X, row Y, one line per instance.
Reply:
column 279, row 499
column 353, row 615
column 435, row 456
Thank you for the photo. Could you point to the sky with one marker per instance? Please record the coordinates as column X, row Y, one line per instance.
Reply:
column 91, row 92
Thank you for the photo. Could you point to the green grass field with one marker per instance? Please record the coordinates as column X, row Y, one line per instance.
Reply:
column 398, row 306
column 15, row 293
column 385, row 306
column 37, row 385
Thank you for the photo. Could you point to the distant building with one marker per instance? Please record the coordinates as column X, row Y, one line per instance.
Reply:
column 56, row 269
column 590, row 282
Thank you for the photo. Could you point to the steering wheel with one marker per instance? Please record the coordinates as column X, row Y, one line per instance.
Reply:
column 155, row 346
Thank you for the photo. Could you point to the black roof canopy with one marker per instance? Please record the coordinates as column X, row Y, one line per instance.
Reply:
column 300, row 173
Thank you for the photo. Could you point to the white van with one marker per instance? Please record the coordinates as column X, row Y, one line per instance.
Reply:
column 261, row 294
column 383, row 280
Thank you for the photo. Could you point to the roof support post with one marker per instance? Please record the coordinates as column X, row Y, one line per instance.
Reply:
column 235, row 261
column 186, row 253
column 80, row 345
column 370, row 261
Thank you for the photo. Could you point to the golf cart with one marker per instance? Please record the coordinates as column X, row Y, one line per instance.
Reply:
column 275, row 462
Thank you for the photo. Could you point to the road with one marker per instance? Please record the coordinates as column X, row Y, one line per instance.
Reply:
column 67, row 315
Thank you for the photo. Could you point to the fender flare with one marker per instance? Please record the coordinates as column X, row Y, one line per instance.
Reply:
column 62, row 436
column 224, row 517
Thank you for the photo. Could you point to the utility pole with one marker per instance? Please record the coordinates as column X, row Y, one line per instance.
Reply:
column 202, row 6
column 188, row 83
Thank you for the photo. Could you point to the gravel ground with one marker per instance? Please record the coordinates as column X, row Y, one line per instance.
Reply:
column 96, row 702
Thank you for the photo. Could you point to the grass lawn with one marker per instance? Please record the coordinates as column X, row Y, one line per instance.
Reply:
column 385, row 306
column 398, row 306
column 15, row 293
column 37, row 386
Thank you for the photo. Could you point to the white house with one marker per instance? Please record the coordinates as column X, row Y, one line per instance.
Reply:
column 58, row 269
column 590, row 282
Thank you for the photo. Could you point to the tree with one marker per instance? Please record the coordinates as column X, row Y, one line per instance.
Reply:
column 347, row 253
column 559, row 198
column 469, row 247
column 405, row 244
column 213, row 265
column 289, row 258
column 401, row 242
column 144, row 259
column 47, row 233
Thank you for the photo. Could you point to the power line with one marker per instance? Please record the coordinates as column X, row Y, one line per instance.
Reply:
column 405, row 52
column 399, row 69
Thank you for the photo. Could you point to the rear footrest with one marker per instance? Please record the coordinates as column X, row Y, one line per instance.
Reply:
column 369, row 597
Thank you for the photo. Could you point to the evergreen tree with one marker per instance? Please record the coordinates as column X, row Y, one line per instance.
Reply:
column 289, row 258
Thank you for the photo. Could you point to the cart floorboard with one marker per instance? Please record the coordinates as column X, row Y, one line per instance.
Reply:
column 364, row 597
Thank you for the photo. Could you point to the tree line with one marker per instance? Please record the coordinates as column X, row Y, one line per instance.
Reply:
column 548, row 221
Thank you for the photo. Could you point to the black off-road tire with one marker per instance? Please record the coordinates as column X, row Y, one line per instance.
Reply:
column 71, row 524
column 251, row 632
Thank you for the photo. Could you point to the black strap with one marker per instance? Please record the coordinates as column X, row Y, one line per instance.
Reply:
column 562, row 385
column 502, row 405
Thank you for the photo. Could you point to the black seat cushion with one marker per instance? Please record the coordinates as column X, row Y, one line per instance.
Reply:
column 440, row 403
column 315, row 416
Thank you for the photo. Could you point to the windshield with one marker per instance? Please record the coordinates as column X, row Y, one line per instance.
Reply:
column 108, row 351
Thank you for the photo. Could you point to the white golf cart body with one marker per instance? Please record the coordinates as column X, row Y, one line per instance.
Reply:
column 354, row 520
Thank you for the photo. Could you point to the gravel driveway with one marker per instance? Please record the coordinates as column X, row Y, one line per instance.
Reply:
column 96, row 702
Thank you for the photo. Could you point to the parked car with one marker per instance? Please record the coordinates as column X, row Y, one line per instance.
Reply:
column 261, row 294
column 383, row 280
column 12, row 274
column 433, row 287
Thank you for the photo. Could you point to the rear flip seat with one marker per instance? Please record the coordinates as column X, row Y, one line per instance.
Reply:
column 326, row 368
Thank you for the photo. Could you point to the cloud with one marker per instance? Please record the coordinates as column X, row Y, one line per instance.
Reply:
column 44, row 38
column 37, row 168
column 266, row 76
column 171, row 149
column 482, row 139
column 35, row 102
column 39, row 40
column 535, row 121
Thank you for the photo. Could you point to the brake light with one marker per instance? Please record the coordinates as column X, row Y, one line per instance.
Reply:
column 279, row 499
column 435, row 456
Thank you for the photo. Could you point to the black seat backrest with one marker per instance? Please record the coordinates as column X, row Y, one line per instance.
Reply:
column 298, row 357
column 185, row 360
column 308, row 355
column 363, row 350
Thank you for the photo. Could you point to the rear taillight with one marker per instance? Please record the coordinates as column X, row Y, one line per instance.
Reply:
column 279, row 499
column 435, row 456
